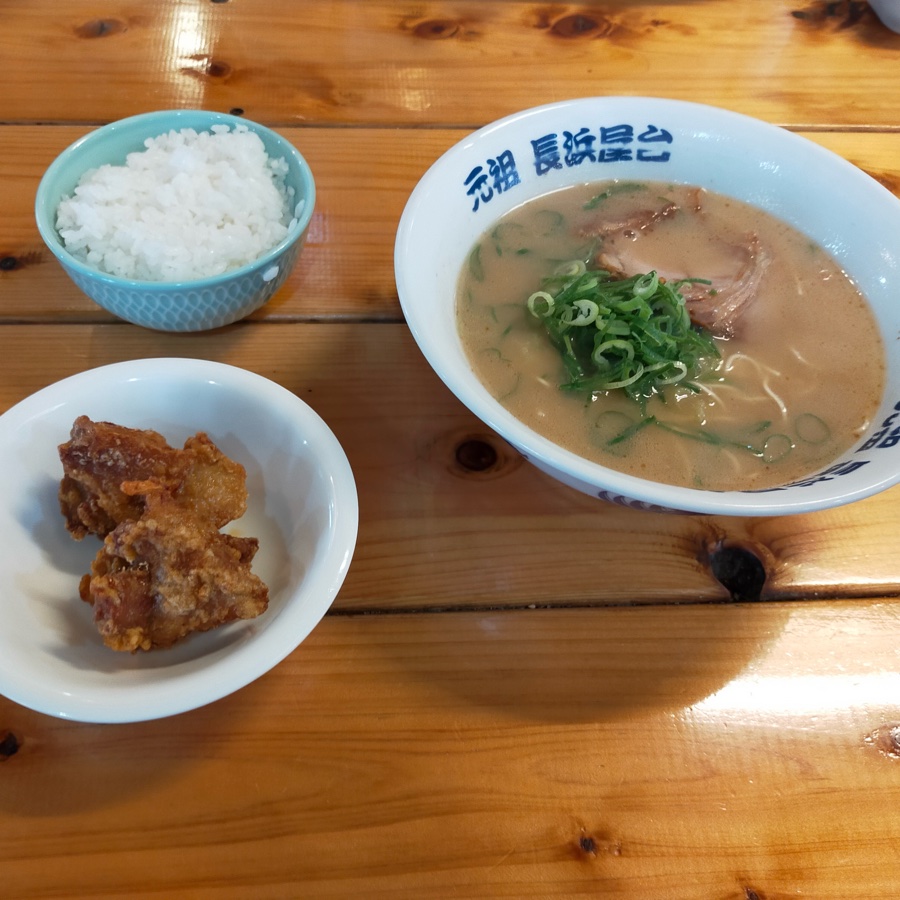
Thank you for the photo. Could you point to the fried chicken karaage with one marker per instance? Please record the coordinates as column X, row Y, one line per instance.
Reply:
column 169, row 573
column 101, row 456
column 165, row 569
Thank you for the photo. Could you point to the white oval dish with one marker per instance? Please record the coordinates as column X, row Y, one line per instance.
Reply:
column 302, row 506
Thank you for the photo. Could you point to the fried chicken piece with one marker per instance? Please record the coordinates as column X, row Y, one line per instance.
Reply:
column 100, row 457
column 165, row 569
column 169, row 573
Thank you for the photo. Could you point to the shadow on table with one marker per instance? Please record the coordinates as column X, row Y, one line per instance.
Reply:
column 584, row 665
column 51, row 767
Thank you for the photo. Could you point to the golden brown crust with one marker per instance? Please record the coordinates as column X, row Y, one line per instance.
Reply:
column 165, row 569
column 100, row 456
column 168, row 574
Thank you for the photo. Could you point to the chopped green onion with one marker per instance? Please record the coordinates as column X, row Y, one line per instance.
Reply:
column 587, row 312
column 476, row 267
column 547, row 221
column 632, row 430
column 633, row 334
column 646, row 286
column 620, row 187
column 776, row 447
column 571, row 268
column 811, row 429
column 541, row 297
column 598, row 355
column 615, row 428
column 705, row 436
column 681, row 371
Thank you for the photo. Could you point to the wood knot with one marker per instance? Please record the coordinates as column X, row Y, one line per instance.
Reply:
column 836, row 14
column 476, row 455
column 588, row 844
column 9, row 745
column 207, row 67
column 436, row 29
column 98, row 28
column 579, row 25
column 12, row 263
column 236, row 110
column 886, row 740
column 739, row 570
column 217, row 68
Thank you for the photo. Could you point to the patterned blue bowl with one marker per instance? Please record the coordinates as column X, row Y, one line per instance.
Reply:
column 181, row 305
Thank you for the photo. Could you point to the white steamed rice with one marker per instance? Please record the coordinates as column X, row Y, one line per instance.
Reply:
column 192, row 205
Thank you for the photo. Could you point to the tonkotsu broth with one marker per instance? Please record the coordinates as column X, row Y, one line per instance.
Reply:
column 799, row 380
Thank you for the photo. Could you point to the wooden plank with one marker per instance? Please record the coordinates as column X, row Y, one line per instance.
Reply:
column 435, row 533
column 365, row 62
column 677, row 752
column 635, row 736
column 346, row 271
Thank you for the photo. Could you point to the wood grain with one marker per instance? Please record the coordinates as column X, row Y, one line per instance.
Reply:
column 682, row 752
column 346, row 271
column 436, row 534
column 520, row 691
column 383, row 63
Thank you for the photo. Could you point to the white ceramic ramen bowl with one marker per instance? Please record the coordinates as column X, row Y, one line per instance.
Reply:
column 522, row 156
column 302, row 506
column 888, row 11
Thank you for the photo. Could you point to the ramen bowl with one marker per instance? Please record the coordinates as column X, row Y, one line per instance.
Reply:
column 192, row 303
column 301, row 507
column 529, row 154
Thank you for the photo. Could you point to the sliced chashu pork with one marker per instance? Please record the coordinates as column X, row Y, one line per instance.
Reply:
column 717, row 306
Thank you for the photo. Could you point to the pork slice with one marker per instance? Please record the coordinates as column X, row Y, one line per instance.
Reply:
column 719, row 305
column 637, row 221
column 716, row 306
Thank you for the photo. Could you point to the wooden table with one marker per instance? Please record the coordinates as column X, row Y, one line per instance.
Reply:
column 690, row 707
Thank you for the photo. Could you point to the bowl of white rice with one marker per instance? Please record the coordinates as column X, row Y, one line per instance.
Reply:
column 177, row 220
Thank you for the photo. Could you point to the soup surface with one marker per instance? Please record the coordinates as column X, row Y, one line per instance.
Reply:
column 798, row 365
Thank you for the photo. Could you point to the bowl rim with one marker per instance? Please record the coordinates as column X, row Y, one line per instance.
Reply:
column 192, row 118
column 606, row 482
column 249, row 659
